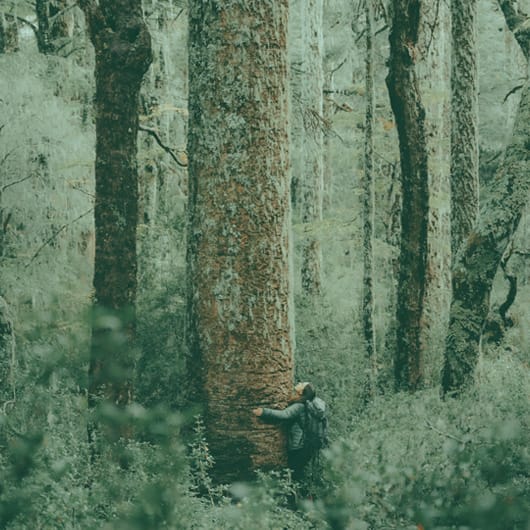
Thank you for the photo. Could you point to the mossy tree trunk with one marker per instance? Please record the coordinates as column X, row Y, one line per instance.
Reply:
column 55, row 24
column 405, row 98
column 123, row 54
column 312, row 177
column 369, row 208
column 481, row 253
column 240, row 300
column 464, row 121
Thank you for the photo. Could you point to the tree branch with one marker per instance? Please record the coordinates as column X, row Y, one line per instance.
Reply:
column 168, row 150
column 518, row 22
column 54, row 235
column 9, row 184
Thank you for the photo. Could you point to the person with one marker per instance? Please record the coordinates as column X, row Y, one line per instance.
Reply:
column 295, row 416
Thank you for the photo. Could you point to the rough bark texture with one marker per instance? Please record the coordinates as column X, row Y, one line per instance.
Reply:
column 312, row 183
column 123, row 54
column 479, row 258
column 464, row 120
column 7, row 354
column 8, row 34
column 409, row 112
column 55, row 25
column 369, row 208
column 240, row 301
column 433, row 72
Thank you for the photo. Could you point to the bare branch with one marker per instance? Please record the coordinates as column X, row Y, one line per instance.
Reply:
column 168, row 150
column 54, row 235
column 9, row 184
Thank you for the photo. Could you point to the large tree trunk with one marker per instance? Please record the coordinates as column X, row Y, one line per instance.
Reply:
column 409, row 112
column 464, row 121
column 479, row 258
column 240, row 307
column 123, row 54
column 312, row 179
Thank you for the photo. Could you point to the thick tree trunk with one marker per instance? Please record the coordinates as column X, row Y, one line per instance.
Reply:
column 409, row 112
column 240, row 306
column 123, row 54
column 312, row 183
column 55, row 25
column 479, row 258
column 464, row 120
column 369, row 208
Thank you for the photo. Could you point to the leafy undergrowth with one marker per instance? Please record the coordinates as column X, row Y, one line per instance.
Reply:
column 417, row 461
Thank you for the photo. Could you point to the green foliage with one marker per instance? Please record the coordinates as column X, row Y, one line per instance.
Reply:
column 418, row 460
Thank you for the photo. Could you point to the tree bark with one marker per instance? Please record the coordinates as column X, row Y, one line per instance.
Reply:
column 8, row 33
column 240, row 300
column 479, row 258
column 123, row 54
column 313, row 170
column 369, row 209
column 409, row 112
column 464, row 122
column 7, row 354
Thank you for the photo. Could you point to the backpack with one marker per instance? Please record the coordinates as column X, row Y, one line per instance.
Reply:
column 315, row 428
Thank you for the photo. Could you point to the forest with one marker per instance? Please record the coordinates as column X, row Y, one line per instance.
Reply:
column 206, row 202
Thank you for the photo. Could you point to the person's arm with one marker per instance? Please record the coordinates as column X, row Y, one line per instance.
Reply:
column 287, row 414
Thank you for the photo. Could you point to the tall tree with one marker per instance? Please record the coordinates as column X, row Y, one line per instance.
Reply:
column 479, row 257
column 55, row 24
column 369, row 206
column 464, row 121
column 409, row 112
column 312, row 177
column 240, row 307
column 123, row 54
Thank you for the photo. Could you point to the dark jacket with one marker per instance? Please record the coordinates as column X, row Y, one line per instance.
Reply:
column 295, row 416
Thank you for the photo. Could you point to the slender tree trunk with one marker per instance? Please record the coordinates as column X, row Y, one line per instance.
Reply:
column 7, row 355
column 240, row 300
column 313, row 171
column 8, row 33
column 123, row 54
column 369, row 208
column 464, row 120
column 433, row 72
column 55, row 25
column 478, row 259
column 409, row 112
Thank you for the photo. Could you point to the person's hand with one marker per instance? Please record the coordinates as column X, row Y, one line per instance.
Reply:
column 257, row 411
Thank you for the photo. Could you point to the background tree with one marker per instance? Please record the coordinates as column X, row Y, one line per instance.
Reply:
column 369, row 206
column 409, row 112
column 240, row 327
column 8, row 33
column 55, row 25
column 464, row 121
column 123, row 54
column 478, row 260
column 312, row 176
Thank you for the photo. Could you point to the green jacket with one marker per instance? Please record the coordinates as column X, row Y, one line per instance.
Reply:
column 294, row 416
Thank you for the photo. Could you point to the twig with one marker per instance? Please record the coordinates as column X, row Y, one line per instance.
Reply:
column 167, row 149
column 512, row 91
column 54, row 235
column 9, row 184
column 446, row 434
